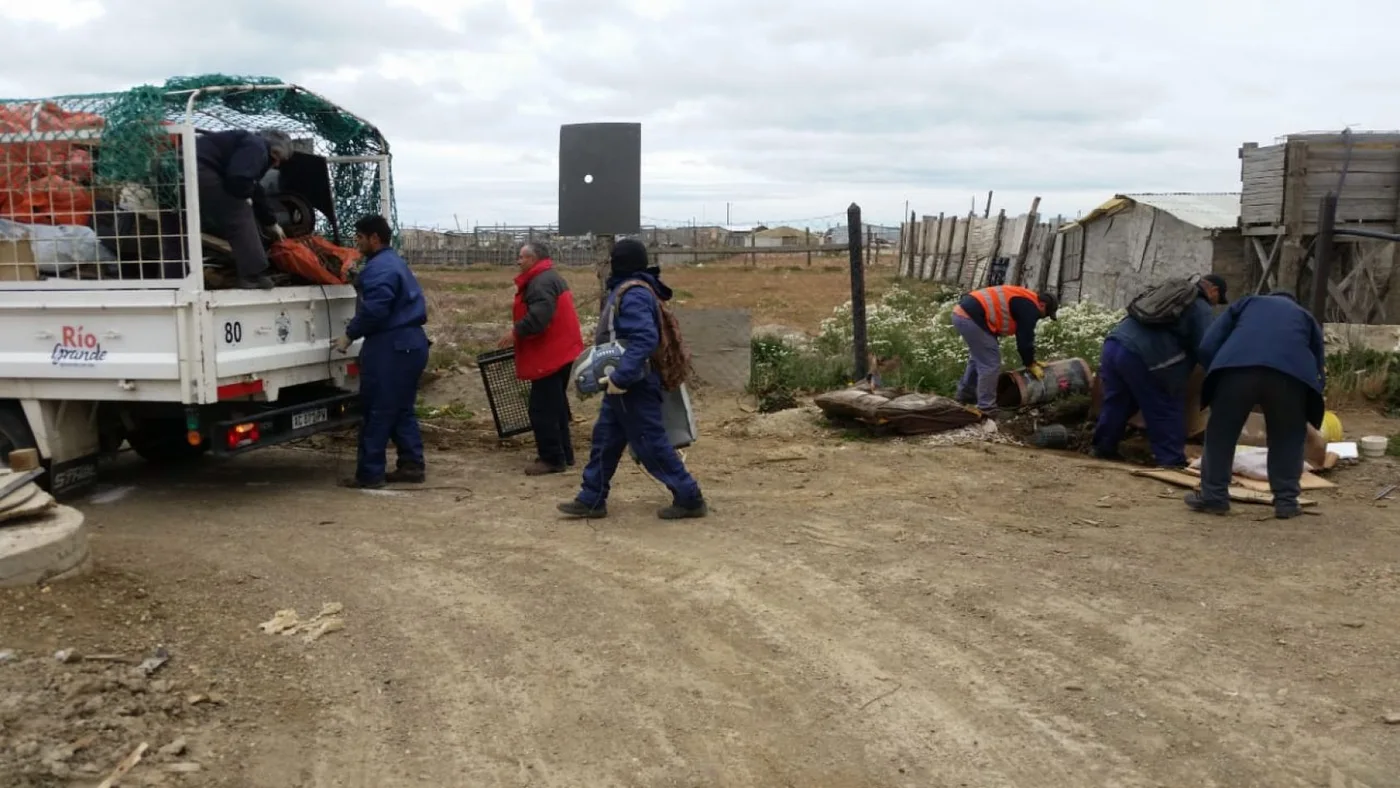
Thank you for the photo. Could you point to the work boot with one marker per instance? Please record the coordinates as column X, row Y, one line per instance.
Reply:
column 355, row 483
column 408, row 473
column 580, row 510
column 1100, row 454
column 1288, row 512
column 256, row 283
column 678, row 511
column 542, row 468
column 1196, row 503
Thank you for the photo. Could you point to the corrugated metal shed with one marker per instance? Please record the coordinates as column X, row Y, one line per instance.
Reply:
column 1207, row 210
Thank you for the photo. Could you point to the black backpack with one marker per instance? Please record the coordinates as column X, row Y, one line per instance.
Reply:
column 1164, row 304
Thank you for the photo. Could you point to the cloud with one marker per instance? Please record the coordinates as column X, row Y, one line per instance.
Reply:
column 775, row 110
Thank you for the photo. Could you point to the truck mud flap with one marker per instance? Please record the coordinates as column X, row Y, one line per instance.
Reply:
column 73, row 478
column 294, row 422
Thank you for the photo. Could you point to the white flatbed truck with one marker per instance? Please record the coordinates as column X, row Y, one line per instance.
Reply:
column 167, row 366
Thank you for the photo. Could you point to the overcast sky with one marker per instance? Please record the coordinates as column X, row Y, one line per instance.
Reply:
column 786, row 110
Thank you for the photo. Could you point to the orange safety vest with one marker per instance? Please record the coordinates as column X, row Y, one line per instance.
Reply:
column 996, row 302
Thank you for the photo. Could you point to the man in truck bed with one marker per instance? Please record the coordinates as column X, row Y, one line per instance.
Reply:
column 232, row 203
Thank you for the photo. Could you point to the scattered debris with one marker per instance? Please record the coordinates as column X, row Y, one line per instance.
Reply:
column 174, row 748
column 153, row 663
column 1391, row 718
column 67, row 656
column 125, row 766
column 287, row 622
column 7, row 655
column 1385, row 492
column 985, row 432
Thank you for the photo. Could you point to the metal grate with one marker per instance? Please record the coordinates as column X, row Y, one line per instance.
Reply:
column 508, row 396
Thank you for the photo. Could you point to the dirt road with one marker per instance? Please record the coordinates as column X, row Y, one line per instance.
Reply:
column 854, row 614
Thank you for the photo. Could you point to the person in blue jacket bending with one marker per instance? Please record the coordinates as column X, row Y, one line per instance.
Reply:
column 631, row 411
column 1147, row 368
column 390, row 312
column 1266, row 351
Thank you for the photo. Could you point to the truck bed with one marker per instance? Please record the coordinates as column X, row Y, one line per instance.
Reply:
column 170, row 345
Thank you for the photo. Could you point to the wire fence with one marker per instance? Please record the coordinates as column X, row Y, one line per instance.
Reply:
column 668, row 246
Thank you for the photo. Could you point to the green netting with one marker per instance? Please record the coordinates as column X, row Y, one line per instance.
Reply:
column 126, row 145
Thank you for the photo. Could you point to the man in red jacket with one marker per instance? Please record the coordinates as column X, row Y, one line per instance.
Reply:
column 547, row 340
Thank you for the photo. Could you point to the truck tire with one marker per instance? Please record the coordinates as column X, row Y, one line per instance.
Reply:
column 164, row 443
column 14, row 431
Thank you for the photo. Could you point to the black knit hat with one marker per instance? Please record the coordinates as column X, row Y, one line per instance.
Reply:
column 629, row 256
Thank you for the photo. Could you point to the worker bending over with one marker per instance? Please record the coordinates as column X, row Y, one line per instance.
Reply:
column 232, row 201
column 982, row 318
column 1266, row 351
column 631, row 412
column 1146, row 365
column 390, row 312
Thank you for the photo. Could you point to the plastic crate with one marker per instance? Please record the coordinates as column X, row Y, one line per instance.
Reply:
column 508, row 396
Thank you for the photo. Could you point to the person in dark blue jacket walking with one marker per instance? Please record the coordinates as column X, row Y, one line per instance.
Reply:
column 232, row 202
column 631, row 411
column 1146, row 368
column 1266, row 351
column 390, row 312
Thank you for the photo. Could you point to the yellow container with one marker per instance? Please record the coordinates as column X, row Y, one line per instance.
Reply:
column 1331, row 427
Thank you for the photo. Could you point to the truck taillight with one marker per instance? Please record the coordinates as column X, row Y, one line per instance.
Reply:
column 241, row 435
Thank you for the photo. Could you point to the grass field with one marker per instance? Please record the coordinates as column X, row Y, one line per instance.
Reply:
column 468, row 308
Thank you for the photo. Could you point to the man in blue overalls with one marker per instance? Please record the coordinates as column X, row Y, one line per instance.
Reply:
column 389, row 314
column 631, row 412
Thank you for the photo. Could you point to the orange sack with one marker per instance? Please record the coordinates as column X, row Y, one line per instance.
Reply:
column 314, row 259
column 41, row 182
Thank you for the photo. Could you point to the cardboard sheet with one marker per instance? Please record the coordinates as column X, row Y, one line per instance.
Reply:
column 1238, row 492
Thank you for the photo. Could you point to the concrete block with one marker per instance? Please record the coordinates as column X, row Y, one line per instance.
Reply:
column 43, row 549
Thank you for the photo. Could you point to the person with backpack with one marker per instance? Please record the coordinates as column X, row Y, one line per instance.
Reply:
column 654, row 361
column 1266, row 351
column 1146, row 364
column 982, row 318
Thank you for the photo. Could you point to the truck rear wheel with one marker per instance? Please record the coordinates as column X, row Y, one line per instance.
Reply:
column 14, row 431
column 164, row 443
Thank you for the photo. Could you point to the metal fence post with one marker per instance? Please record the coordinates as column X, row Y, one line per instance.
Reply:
column 858, row 337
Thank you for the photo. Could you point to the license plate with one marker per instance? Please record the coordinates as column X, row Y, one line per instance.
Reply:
column 308, row 417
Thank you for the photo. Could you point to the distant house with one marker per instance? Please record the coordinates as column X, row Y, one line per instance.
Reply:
column 880, row 234
column 1134, row 241
column 422, row 239
column 779, row 236
column 701, row 236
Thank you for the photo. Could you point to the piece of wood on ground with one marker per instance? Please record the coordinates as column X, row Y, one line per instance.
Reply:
column 125, row 766
column 1308, row 481
column 1237, row 493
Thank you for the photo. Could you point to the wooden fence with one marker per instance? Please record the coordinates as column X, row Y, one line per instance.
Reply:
column 976, row 251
